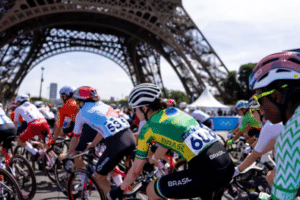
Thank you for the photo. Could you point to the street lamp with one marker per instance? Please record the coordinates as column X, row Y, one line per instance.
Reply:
column 41, row 82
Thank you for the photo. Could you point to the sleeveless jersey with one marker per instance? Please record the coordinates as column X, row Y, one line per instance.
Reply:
column 287, row 157
column 100, row 117
column 28, row 112
column 176, row 130
column 3, row 118
column 249, row 120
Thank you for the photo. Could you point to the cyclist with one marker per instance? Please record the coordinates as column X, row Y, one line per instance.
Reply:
column 45, row 110
column 276, row 81
column 12, row 107
column 265, row 142
column 200, row 116
column 241, row 106
column 34, row 124
column 65, row 119
column 7, row 129
column 174, row 129
column 104, row 123
column 249, row 127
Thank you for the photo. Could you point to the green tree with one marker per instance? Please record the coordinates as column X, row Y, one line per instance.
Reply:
column 178, row 96
column 236, row 85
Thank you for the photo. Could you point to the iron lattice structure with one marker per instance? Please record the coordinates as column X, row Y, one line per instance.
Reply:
column 132, row 33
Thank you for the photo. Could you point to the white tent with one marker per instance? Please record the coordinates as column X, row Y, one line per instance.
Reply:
column 208, row 101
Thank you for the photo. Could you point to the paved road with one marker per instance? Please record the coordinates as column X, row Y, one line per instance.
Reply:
column 48, row 191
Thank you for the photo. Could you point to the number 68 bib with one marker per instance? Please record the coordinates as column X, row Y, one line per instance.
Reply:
column 197, row 139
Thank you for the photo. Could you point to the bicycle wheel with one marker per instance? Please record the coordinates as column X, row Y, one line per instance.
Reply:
column 24, row 175
column 49, row 161
column 61, row 175
column 19, row 150
column 9, row 188
column 88, row 190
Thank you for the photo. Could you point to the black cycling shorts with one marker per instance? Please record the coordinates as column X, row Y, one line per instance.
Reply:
column 88, row 134
column 207, row 123
column 117, row 146
column 7, row 131
column 254, row 132
column 209, row 171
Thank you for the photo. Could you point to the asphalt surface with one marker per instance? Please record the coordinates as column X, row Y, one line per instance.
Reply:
column 46, row 190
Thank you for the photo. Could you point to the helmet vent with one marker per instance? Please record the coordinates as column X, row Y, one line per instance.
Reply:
column 269, row 61
column 294, row 60
column 263, row 76
column 282, row 70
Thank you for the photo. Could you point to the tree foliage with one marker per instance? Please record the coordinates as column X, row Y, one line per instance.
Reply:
column 236, row 85
column 178, row 96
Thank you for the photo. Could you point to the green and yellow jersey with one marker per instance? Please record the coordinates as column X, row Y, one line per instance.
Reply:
column 249, row 120
column 176, row 130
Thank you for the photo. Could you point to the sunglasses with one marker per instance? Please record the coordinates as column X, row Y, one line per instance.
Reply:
column 258, row 97
column 254, row 109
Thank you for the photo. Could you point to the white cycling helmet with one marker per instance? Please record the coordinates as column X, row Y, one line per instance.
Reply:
column 22, row 98
column 182, row 105
column 143, row 95
column 66, row 90
column 38, row 104
column 192, row 108
column 241, row 104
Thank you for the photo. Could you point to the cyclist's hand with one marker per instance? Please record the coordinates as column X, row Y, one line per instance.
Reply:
column 116, row 193
column 230, row 142
column 62, row 156
column 264, row 196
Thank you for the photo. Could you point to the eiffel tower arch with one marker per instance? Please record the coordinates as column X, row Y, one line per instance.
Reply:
column 132, row 33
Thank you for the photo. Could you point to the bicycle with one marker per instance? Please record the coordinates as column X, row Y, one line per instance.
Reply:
column 20, row 169
column 9, row 188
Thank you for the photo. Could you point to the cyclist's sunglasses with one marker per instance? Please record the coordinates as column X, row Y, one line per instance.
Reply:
column 254, row 109
column 257, row 97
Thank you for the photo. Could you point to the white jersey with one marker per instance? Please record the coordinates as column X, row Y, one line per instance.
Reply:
column 268, row 132
column 101, row 117
column 28, row 111
column 45, row 110
column 3, row 118
column 200, row 116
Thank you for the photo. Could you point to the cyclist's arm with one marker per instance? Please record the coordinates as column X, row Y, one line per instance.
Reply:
column 159, row 153
column 73, row 144
column 240, row 133
column 270, row 146
column 133, row 173
column 252, row 157
column 97, row 139
column 58, row 131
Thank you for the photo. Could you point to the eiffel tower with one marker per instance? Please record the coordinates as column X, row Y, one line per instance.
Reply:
column 132, row 33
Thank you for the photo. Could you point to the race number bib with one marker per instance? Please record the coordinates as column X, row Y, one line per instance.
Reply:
column 197, row 139
column 4, row 119
column 114, row 125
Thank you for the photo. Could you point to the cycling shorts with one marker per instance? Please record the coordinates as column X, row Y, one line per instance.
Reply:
column 209, row 171
column 117, row 146
column 254, row 132
column 88, row 134
column 7, row 131
column 37, row 127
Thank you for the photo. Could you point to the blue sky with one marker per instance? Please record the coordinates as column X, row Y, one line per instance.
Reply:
column 239, row 31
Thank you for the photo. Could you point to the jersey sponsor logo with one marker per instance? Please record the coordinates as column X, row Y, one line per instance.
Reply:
column 171, row 111
column 174, row 145
column 179, row 182
column 99, row 167
column 215, row 155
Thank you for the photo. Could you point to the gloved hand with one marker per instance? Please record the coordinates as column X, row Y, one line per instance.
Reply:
column 116, row 193
column 236, row 172
column 50, row 142
column 264, row 196
column 148, row 167
column 230, row 142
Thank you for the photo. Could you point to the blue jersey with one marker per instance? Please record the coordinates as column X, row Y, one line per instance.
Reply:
column 100, row 117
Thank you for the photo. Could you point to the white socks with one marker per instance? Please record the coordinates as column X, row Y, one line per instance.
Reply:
column 29, row 148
